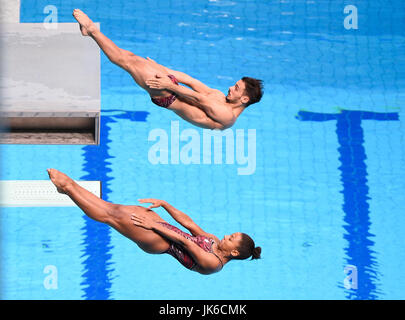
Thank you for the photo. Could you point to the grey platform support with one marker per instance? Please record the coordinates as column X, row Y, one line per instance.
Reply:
column 49, row 85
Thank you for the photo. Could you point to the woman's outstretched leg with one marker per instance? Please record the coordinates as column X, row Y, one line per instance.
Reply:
column 92, row 206
column 115, row 215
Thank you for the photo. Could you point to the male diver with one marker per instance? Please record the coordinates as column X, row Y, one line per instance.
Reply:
column 199, row 104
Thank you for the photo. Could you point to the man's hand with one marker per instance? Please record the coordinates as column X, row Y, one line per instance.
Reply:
column 155, row 203
column 159, row 82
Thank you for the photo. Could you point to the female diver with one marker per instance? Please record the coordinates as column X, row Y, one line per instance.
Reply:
column 201, row 251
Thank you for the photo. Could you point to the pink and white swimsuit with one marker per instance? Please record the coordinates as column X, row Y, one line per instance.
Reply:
column 181, row 254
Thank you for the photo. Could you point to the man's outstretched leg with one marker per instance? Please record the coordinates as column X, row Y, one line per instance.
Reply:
column 139, row 67
column 112, row 51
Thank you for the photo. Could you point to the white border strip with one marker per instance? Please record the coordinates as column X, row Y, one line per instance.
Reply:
column 39, row 193
column 9, row 11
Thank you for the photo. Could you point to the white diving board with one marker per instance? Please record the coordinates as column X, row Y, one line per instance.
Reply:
column 39, row 193
column 49, row 85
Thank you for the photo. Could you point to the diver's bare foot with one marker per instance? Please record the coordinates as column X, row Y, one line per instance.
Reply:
column 61, row 181
column 87, row 27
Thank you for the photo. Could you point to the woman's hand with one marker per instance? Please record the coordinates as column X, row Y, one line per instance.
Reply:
column 142, row 220
column 159, row 82
column 155, row 203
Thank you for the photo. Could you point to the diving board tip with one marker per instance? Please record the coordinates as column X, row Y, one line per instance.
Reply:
column 39, row 193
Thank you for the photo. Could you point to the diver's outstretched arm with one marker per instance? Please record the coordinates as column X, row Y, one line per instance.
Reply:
column 184, row 78
column 179, row 216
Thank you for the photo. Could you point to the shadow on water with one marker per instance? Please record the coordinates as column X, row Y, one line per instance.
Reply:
column 96, row 236
column 360, row 256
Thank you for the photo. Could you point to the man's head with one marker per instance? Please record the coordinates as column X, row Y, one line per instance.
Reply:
column 246, row 91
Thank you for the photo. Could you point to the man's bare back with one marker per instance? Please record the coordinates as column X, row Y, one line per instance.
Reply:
column 197, row 103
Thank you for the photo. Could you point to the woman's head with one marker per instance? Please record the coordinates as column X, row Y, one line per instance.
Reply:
column 240, row 246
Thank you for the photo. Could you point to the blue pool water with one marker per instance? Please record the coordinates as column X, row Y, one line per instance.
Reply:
column 324, row 195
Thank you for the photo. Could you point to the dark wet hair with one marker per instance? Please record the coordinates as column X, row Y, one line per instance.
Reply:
column 247, row 248
column 254, row 89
